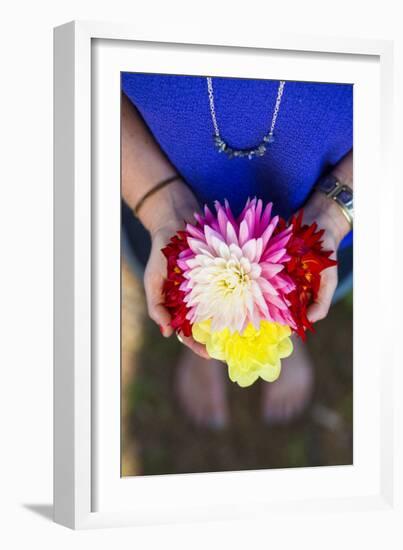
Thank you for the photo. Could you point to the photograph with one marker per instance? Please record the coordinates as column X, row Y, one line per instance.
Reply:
column 236, row 274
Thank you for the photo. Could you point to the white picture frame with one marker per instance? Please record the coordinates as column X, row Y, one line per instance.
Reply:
column 88, row 490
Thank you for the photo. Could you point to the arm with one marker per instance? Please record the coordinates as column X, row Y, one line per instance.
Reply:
column 162, row 214
column 143, row 166
column 328, row 215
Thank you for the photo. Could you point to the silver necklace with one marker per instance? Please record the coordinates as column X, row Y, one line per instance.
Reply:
column 223, row 146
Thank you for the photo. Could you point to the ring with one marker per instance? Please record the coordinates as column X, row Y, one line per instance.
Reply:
column 179, row 337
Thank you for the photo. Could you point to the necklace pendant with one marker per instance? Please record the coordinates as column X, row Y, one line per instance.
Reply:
column 261, row 148
column 259, row 151
column 269, row 138
column 220, row 144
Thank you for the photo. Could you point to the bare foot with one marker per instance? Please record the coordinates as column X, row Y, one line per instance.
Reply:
column 286, row 398
column 200, row 386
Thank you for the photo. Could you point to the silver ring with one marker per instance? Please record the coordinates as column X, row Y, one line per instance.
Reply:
column 179, row 337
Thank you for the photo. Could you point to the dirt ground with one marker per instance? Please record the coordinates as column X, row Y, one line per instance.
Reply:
column 157, row 438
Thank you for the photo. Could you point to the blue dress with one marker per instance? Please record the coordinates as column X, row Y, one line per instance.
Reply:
column 314, row 131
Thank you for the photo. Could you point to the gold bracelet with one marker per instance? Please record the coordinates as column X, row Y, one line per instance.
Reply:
column 151, row 192
column 347, row 212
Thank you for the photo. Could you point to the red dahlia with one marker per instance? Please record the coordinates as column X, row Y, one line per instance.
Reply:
column 173, row 295
column 307, row 261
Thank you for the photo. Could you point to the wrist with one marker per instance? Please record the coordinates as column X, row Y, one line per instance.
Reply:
column 343, row 174
column 328, row 215
column 169, row 208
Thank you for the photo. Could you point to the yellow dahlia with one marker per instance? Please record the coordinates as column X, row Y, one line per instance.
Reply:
column 254, row 353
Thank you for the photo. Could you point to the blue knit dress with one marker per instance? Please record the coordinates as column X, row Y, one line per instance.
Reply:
column 314, row 131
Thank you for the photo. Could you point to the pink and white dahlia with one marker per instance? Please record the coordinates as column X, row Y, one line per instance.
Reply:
column 234, row 268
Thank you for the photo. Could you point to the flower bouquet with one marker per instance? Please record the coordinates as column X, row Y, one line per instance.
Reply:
column 242, row 286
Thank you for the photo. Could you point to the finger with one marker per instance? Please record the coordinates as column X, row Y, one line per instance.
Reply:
column 160, row 315
column 157, row 312
column 320, row 308
column 153, row 283
column 196, row 347
column 318, row 311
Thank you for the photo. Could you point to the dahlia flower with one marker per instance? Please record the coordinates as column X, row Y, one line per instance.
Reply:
column 242, row 285
column 171, row 290
column 250, row 355
column 307, row 260
column 234, row 269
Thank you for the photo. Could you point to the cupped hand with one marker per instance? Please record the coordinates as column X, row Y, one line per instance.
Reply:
column 327, row 215
column 170, row 219
column 154, row 277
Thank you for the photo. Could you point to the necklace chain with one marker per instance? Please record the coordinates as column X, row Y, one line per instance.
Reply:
column 231, row 152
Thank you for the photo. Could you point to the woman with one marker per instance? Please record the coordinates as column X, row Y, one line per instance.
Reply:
column 208, row 133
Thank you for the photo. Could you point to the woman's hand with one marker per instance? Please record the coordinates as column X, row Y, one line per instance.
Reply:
column 164, row 214
column 327, row 214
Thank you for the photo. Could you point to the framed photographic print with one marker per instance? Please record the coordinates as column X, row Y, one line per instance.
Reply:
column 210, row 359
